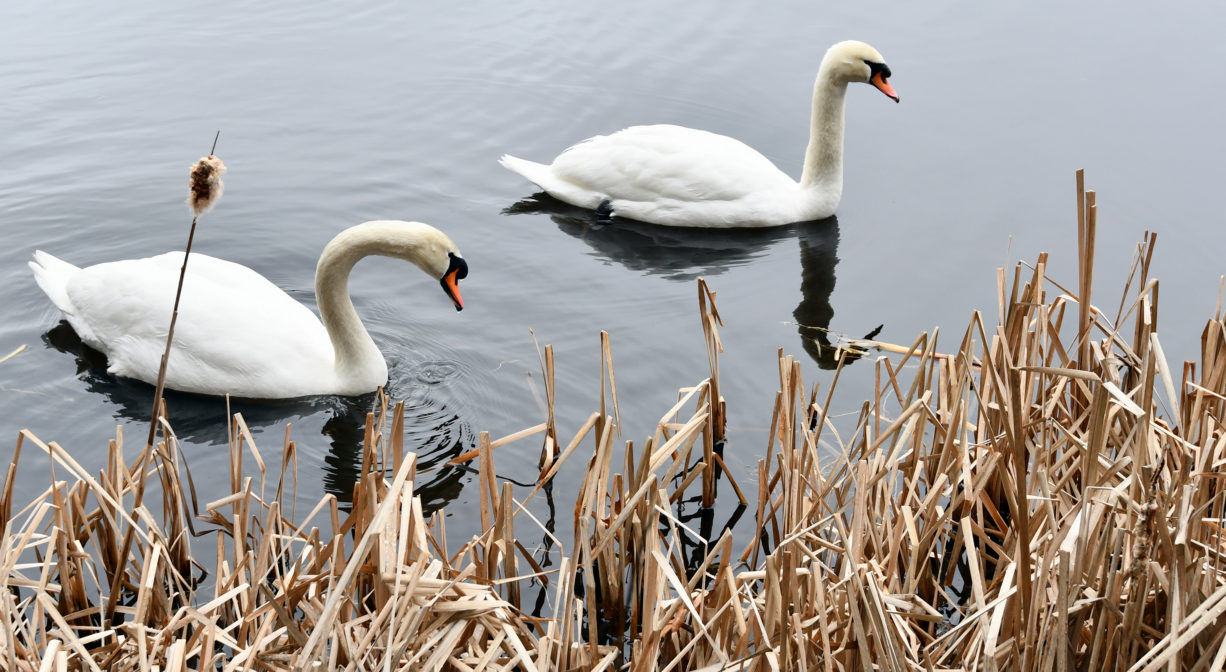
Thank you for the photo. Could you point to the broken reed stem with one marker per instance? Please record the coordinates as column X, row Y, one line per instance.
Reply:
column 20, row 349
column 711, row 322
column 550, row 444
column 716, row 423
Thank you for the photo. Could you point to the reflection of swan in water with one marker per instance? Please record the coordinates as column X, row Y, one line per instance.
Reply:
column 819, row 244
column 675, row 253
column 432, row 431
column 686, row 253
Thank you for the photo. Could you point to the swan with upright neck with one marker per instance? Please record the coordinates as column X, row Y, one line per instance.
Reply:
column 237, row 333
column 678, row 176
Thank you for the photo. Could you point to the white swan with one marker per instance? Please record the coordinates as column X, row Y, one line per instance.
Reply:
column 237, row 333
column 680, row 176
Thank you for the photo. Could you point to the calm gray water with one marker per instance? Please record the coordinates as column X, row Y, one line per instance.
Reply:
column 331, row 115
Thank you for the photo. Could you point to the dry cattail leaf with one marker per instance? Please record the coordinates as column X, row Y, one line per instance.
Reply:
column 205, row 184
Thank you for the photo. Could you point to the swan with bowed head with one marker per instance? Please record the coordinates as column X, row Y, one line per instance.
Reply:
column 678, row 176
column 237, row 333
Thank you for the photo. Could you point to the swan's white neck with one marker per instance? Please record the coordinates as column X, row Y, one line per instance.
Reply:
column 823, row 167
column 356, row 353
column 358, row 360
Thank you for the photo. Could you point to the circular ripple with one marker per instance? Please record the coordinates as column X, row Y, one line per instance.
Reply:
column 433, row 373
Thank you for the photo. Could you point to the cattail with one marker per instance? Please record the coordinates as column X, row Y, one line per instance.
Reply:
column 205, row 184
column 204, row 190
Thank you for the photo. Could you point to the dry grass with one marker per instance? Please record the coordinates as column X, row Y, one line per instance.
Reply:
column 1046, row 495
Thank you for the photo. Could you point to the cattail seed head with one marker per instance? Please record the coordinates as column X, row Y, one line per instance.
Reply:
column 205, row 184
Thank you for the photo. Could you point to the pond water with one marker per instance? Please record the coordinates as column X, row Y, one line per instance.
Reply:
column 333, row 114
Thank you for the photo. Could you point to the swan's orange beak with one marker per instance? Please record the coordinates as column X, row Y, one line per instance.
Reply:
column 452, row 287
column 878, row 81
column 456, row 271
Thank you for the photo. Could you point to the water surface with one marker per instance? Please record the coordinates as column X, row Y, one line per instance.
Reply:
column 332, row 114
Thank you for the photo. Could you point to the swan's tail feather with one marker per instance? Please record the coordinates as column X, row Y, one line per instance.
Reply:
column 537, row 173
column 52, row 274
column 542, row 176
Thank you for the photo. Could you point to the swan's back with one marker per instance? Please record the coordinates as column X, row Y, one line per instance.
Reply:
column 646, row 162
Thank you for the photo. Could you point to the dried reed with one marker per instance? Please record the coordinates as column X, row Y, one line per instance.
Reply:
column 1036, row 498
column 20, row 349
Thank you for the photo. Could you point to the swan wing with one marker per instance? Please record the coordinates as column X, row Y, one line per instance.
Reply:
column 644, row 163
column 235, row 328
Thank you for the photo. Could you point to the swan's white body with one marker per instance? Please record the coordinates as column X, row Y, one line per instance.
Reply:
column 237, row 333
column 678, row 176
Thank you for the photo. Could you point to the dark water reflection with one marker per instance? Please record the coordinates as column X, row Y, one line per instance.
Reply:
column 819, row 246
column 433, row 430
column 675, row 253
column 684, row 254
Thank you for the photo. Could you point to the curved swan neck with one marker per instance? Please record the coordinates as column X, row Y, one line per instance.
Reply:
column 354, row 348
column 357, row 357
column 824, row 155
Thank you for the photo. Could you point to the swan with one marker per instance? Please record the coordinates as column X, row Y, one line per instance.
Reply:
column 237, row 333
column 678, row 176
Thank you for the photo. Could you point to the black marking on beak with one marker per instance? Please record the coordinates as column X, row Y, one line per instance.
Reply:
column 874, row 68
